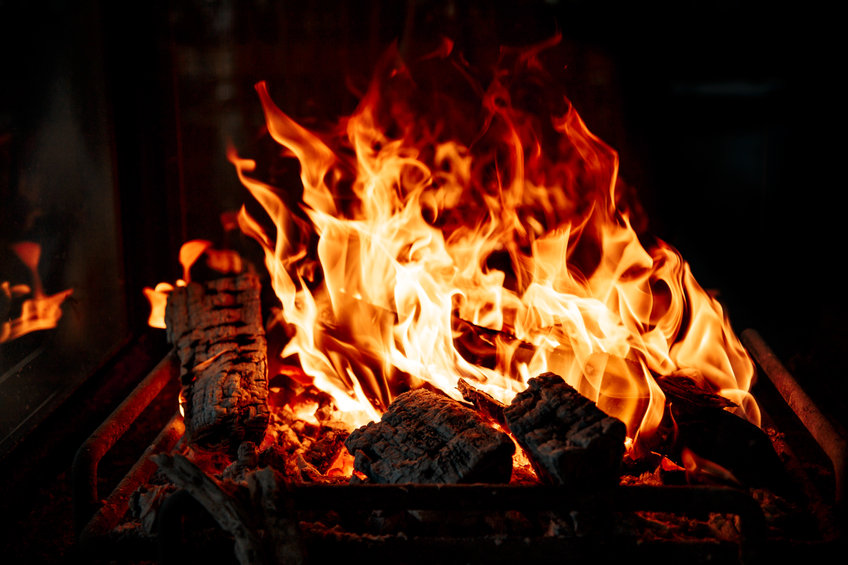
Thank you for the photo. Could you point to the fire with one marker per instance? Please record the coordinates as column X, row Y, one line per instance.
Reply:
column 478, row 230
column 190, row 252
column 38, row 312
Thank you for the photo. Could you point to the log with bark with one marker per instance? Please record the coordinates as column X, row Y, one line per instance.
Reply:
column 426, row 437
column 568, row 439
column 217, row 330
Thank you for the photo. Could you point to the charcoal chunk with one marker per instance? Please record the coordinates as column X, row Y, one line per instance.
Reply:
column 568, row 439
column 426, row 437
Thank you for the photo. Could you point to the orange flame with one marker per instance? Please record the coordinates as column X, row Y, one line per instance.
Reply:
column 41, row 311
column 190, row 252
column 420, row 212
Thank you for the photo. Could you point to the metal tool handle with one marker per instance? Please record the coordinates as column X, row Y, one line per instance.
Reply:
column 88, row 456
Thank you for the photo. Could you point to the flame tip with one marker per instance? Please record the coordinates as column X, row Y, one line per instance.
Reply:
column 435, row 240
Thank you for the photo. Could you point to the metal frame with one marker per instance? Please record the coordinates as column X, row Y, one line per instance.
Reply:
column 99, row 536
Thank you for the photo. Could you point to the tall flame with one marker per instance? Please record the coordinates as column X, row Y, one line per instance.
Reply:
column 427, row 222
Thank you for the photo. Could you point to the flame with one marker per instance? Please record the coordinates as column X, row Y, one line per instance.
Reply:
column 223, row 261
column 700, row 470
column 190, row 252
column 422, row 213
column 41, row 311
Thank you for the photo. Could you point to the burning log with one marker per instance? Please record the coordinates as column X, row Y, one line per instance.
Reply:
column 703, row 426
column 688, row 392
column 484, row 403
column 217, row 329
column 425, row 437
column 568, row 439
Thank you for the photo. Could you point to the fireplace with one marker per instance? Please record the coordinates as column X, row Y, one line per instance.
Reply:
column 495, row 523
column 702, row 129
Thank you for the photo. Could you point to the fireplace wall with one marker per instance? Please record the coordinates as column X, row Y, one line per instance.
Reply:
column 58, row 191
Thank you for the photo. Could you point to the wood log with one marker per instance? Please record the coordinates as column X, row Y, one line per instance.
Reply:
column 426, row 437
column 702, row 424
column 264, row 527
column 479, row 345
column 216, row 327
column 270, row 498
column 484, row 403
column 568, row 439
column 690, row 392
column 144, row 504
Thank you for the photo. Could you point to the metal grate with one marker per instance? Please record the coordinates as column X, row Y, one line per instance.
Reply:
column 101, row 535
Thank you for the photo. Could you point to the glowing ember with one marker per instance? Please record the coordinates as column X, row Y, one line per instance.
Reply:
column 479, row 231
column 40, row 311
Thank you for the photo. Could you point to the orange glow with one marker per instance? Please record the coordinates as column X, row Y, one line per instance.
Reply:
column 703, row 471
column 507, row 218
column 190, row 251
column 40, row 311
column 158, row 298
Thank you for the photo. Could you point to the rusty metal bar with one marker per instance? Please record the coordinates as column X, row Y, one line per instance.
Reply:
column 822, row 430
column 110, row 514
column 88, row 456
column 686, row 500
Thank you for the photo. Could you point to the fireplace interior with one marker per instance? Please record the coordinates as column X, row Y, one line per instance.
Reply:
column 114, row 129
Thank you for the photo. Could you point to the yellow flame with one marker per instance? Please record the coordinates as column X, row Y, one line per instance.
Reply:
column 520, row 231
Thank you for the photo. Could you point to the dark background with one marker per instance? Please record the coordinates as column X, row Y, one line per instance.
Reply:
column 726, row 115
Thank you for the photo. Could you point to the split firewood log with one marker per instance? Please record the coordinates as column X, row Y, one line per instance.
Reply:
column 568, row 439
column 216, row 327
column 426, row 437
column 484, row 403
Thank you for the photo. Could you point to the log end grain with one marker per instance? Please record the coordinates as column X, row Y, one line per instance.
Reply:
column 426, row 437
column 568, row 439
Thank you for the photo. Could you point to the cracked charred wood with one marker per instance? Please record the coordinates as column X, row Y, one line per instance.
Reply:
column 484, row 403
column 216, row 327
column 690, row 392
column 426, row 437
column 568, row 439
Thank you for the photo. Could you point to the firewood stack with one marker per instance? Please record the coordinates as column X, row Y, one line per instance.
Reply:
column 216, row 328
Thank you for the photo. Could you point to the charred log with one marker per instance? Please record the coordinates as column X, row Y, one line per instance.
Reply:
column 568, row 439
column 703, row 425
column 735, row 444
column 479, row 345
column 425, row 437
column 217, row 330
column 484, row 403
column 690, row 393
